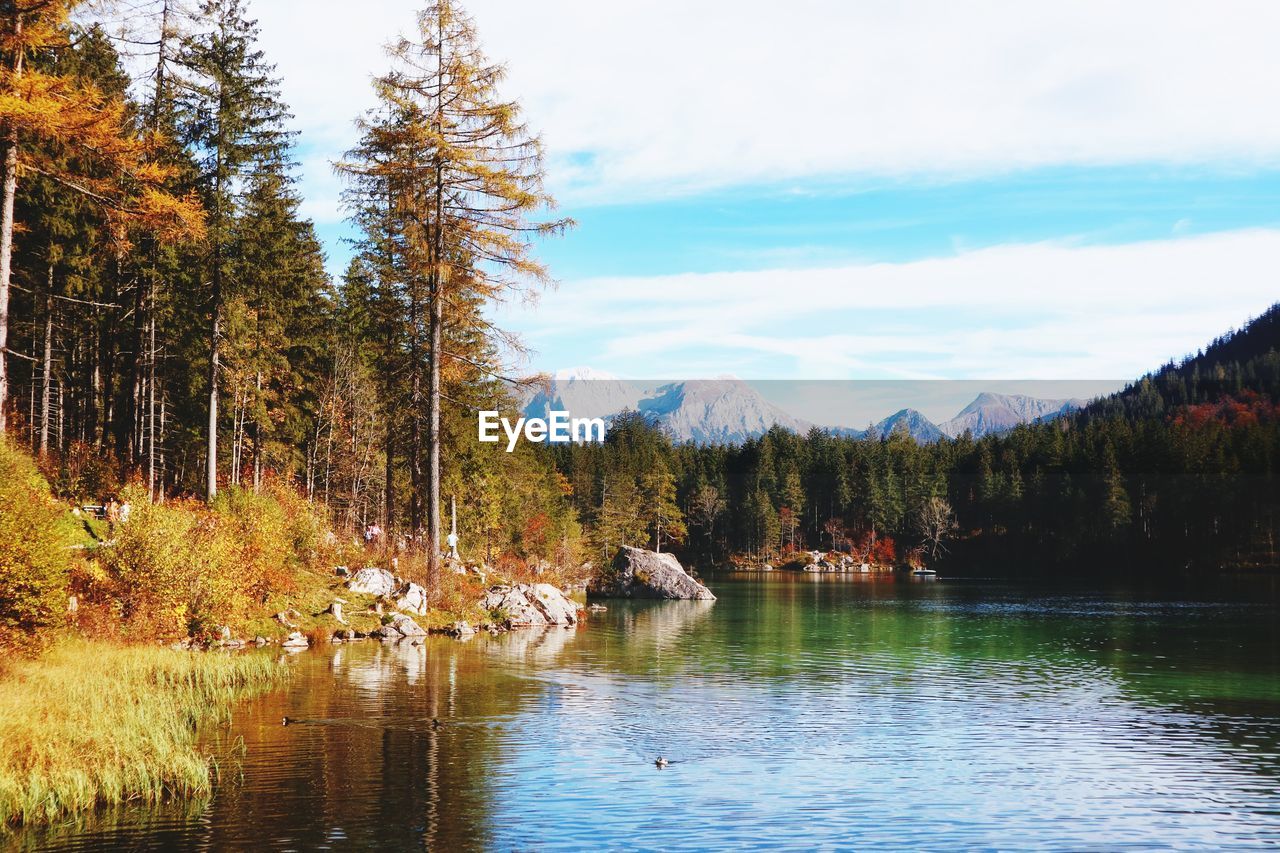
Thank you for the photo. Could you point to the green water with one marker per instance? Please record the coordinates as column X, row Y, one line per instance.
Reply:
column 796, row 711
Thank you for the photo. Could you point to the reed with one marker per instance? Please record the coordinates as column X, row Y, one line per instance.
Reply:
column 92, row 723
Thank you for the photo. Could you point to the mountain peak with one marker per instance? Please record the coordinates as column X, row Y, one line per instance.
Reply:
column 991, row 412
column 910, row 421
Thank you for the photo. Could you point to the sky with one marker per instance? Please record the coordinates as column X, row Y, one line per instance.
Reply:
column 860, row 189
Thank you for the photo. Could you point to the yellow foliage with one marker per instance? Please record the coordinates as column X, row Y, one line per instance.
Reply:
column 47, row 112
column 183, row 568
column 33, row 553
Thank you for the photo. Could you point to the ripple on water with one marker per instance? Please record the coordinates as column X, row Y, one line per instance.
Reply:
column 793, row 715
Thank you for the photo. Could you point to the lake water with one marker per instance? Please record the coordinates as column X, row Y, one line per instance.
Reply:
column 796, row 711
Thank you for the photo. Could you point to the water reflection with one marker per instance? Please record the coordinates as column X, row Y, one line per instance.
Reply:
column 796, row 711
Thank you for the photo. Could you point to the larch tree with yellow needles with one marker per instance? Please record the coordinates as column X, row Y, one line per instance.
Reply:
column 66, row 129
column 449, row 179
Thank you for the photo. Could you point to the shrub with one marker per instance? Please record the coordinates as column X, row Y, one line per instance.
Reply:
column 254, row 537
column 184, row 568
column 34, row 553
column 85, row 471
column 308, row 532
column 168, row 574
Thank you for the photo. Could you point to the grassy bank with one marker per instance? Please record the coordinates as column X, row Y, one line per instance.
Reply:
column 93, row 723
column 95, row 708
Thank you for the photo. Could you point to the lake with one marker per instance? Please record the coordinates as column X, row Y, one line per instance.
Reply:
column 796, row 711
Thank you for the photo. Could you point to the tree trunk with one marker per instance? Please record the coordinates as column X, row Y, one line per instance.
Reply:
column 211, row 456
column 415, row 415
column 46, row 365
column 433, row 393
column 389, row 487
column 433, row 442
column 107, row 358
column 151, row 402
column 257, row 435
column 8, row 190
column 129, row 423
column 215, row 336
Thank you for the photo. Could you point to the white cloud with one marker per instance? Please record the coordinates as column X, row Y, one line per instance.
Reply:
column 1039, row 311
column 644, row 99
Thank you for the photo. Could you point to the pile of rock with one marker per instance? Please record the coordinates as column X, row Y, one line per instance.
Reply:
column 820, row 562
column 524, row 605
column 405, row 595
column 399, row 628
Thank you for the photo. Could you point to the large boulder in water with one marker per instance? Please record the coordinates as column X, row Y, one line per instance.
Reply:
column 637, row 573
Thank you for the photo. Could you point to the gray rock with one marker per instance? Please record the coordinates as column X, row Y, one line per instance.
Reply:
column 283, row 618
column 387, row 632
column 259, row 640
column 406, row 626
column 637, row 573
column 372, row 581
column 514, row 604
column 413, row 599
column 296, row 641
column 460, row 629
column 531, row 605
column 224, row 633
column 558, row 609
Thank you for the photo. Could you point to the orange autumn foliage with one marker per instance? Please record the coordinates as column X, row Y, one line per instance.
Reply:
column 50, row 115
column 1247, row 408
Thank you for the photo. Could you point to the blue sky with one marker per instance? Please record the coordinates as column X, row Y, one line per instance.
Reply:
column 818, row 223
column 870, row 190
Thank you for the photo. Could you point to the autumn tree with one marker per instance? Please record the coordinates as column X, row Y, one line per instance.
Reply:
column 706, row 505
column 661, row 513
column 45, row 114
column 452, row 178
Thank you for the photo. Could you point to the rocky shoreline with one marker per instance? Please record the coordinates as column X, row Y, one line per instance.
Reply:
column 378, row 605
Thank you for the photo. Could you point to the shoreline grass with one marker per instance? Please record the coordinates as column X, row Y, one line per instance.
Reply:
column 94, row 723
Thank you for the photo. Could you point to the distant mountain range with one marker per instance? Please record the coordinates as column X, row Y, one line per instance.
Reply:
column 729, row 411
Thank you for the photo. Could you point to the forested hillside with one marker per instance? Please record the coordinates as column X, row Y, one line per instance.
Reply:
column 167, row 319
column 1177, row 472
